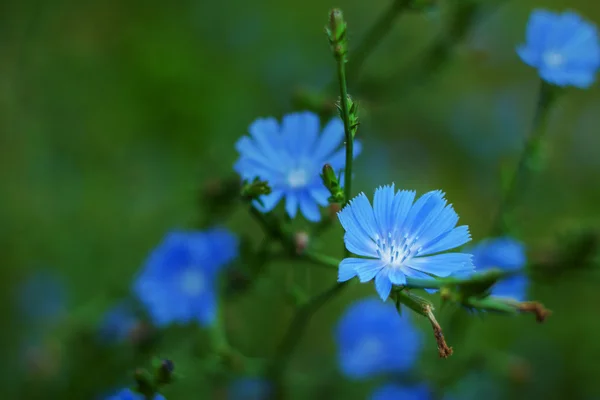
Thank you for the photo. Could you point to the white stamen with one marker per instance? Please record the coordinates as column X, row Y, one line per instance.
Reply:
column 192, row 282
column 553, row 58
column 297, row 178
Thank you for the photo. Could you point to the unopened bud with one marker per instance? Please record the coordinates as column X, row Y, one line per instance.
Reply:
column 332, row 183
column 253, row 190
column 336, row 33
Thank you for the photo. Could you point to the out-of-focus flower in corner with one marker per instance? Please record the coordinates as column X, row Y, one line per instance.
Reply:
column 563, row 47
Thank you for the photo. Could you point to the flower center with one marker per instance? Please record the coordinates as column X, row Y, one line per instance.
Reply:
column 395, row 250
column 297, row 178
column 553, row 58
column 192, row 282
column 368, row 349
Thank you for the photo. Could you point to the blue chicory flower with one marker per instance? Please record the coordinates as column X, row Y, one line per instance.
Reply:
column 118, row 323
column 177, row 283
column 249, row 388
column 291, row 157
column 401, row 239
column 128, row 394
column 393, row 391
column 504, row 253
column 563, row 47
column 374, row 339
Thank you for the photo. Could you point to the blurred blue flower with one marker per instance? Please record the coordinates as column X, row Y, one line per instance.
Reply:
column 504, row 253
column 392, row 391
column 563, row 47
column 128, row 394
column 249, row 389
column 118, row 323
column 490, row 127
column 42, row 298
column 401, row 238
column 177, row 283
column 290, row 157
column 373, row 339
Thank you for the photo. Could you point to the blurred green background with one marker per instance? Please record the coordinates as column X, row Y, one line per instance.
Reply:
column 115, row 114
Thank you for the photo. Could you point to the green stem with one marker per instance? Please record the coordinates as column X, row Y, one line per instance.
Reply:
column 294, row 333
column 523, row 171
column 341, row 68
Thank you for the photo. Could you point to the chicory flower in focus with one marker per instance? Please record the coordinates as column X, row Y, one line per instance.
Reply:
column 401, row 238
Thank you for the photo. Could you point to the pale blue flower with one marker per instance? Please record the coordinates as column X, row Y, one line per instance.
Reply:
column 177, row 283
column 374, row 339
column 563, row 47
column 290, row 156
column 128, row 394
column 401, row 238
column 393, row 391
column 507, row 254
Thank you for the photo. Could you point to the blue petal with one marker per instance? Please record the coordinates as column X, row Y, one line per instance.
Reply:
column 432, row 220
column 439, row 225
column 450, row 240
column 265, row 132
column 249, row 150
column 403, row 201
column 421, row 209
column 363, row 214
column 531, row 57
column 300, row 131
column 581, row 79
column 321, row 195
column 367, row 269
column 330, row 139
column 383, row 285
column 397, row 276
column 269, row 201
column 346, row 269
column 359, row 246
column 442, row 264
column 291, row 204
column 383, row 208
column 539, row 25
column 309, row 208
